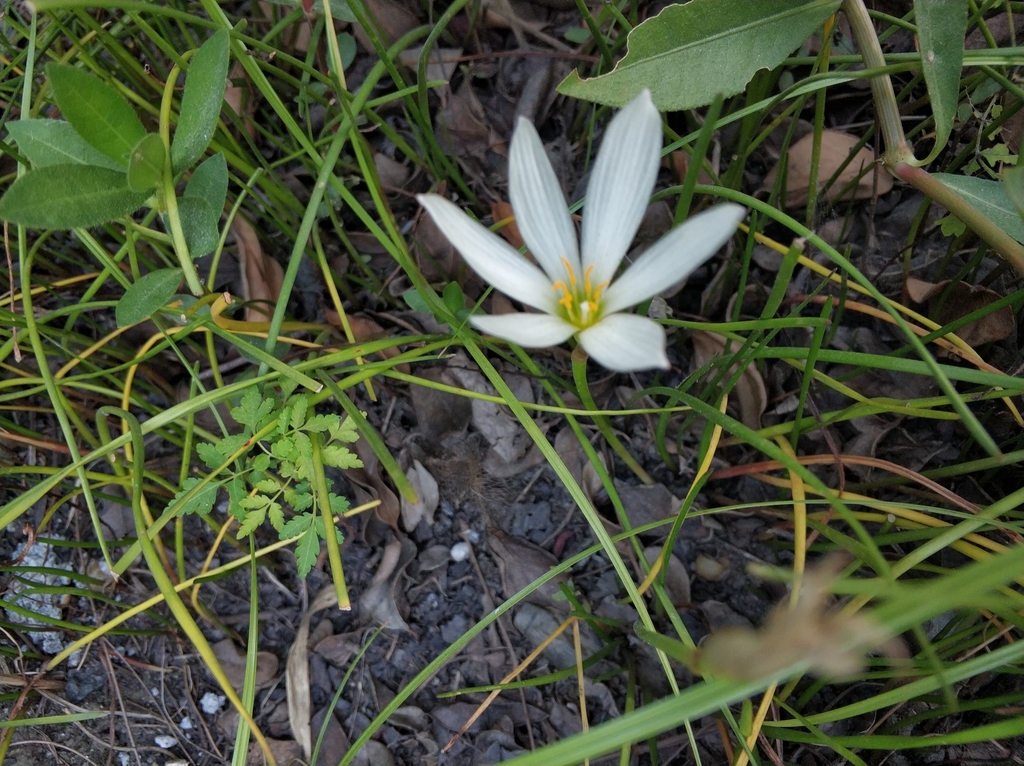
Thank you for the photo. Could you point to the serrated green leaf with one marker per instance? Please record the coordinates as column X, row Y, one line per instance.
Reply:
column 69, row 197
column 236, row 494
column 300, row 404
column 340, row 457
column 688, row 54
column 260, row 463
column 339, row 504
column 322, row 423
column 284, row 449
column 55, row 142
column 229, row 445
column 252, row 502
column 296, row 525
column 209, row 455
column 941, row 29
column 200, row 222
column 345, row 432
column 299, row 499
column 201, row 102
column 307, row 548
column 97, row 111
column 267, row 485
column 146, row 164
column 303, row 456
column 276, row 516
column 147, row 296
column 990, row 198
column 252, row 521
column 252, row 409
column 201, row 503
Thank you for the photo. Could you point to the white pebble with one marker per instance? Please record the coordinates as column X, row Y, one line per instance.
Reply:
column 165, row 741
column 211, row 703
column 186, row 723
column 124, row 758
column 460, row 551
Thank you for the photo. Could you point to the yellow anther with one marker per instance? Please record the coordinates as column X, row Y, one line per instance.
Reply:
column 568, row 268
column 586, row 279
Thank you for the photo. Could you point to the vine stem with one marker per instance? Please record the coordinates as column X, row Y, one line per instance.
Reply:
column 579, row 374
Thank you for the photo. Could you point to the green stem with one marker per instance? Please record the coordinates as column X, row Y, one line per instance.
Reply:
column 323, row 499
column 897, row 149
column 167, row 192
column 579, row 374
column 1009, row 248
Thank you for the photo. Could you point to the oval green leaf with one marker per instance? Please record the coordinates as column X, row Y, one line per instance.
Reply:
column 55, row 142
column 201, row 102
column 990, row 198
column 147, row 296
column 146, row 166
column 200, row 224
column 209, row 182
column 68, row 197
column 941, row 29
column 688, row 54
column 97, row 112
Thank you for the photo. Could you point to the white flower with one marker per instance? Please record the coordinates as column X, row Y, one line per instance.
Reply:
column 580, row 298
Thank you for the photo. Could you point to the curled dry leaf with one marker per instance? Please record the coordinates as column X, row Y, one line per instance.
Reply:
column 297, row 673
column 521, row 562
column 378, row 600
column 369, row 485
column 828, row 642
column 862, row 173
column 948, row 301
column 261, row 275
column 427, row 497
column 502, row 211
column 568, row 447
column 749, row 390
column 441, row 64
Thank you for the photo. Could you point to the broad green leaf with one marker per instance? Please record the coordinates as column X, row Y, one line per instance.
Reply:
column 55, row 142
column 200, row 222
column 347, row 48
column 201, row 102
column 202, row 503
column 96, row 111
column 990, row 198
column 339, row 8
column 147, row 296
column 146, row 165
column 688, row 54
column 941, row 28
column 1013, row 179
column 68, row 197
column 209, row 182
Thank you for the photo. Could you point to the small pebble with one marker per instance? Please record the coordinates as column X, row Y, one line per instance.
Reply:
column 124, row 758
column 460, row 551
column 211, row 703
column 186, row 723
column 709, row 568
column 165, row 741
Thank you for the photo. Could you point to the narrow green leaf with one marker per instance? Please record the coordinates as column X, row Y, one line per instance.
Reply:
column 68, row 197
column 151, row 293
column 201, row 102
column 990, row 198
column 146, row 165
column 941, row 28
column 97, row 112
column 688, row 54
column 55, row 142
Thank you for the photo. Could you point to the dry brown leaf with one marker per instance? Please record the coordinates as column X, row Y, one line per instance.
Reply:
column 568, row 447
column 440, row 66
column 502, row 211
column 297, row 673
column 393, row 19
column 750, row 392
column 427, row 497
column 677, row 581
column 261, row 275
column 948, row 301
column 239, row 97
column 364, row 328
column 378, row 600
column 392, row 173
column 836, row 147
column 521, row 562
column 233, row 662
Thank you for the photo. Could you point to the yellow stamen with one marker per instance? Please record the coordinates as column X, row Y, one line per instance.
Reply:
column 572, row 274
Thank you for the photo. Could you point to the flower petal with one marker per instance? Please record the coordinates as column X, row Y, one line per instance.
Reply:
column 496, row 261
column 626, row 343
column 620, row 186
column 526, row 330
column 539, row 205
column 673, row 257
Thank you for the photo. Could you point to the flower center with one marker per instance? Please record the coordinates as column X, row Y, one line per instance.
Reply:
column 580, row 301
